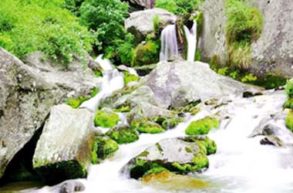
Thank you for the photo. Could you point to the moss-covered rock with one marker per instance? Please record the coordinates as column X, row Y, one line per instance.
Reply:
column 289, row 103
column 129, row 77
column 176, row 155
column 123, row 135
column 167, row 122
column 106, row 119
column 207, row 145
column 202, row 126
column 146, row 53
column 145, row 126
column 289, row 88
column 103, row 148
column 64, row 148
column 75, row 102
column 289, row 120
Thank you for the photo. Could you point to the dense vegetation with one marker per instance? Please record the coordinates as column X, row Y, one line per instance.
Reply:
column 244, row 25
column 179, row 7
column 32, row 25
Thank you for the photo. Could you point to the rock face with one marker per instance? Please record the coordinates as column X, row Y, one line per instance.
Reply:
column 212, row 41
column 180, row 155
column 179, row 82
column 175, row 84
column 272, row 53
column 140, row 23
column 26, row 94
column 64, row 148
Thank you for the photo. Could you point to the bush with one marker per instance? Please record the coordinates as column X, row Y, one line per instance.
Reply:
column 289, row 88
column 244, row 25
column 106, row 19
column 179, row 7
column 146, row 53
column 30, row 25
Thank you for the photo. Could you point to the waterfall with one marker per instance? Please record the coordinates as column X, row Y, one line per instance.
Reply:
column 191, row 41
column 112, row 81
column 169, row 44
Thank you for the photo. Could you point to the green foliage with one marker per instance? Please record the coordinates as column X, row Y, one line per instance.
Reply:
column 106, row 19
column 125, row 50
column 106, row 119
column 123, row 135
column 244, row 25
column 179, row 7
column 289, row 120
column 202, row 126
column 289, row 103
column 103, row 148
column 289, row 88
column 30, row 25
column 156, row 24
column 146, row 53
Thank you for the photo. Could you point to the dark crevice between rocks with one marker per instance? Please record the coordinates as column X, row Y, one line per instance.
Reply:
column 20, row 168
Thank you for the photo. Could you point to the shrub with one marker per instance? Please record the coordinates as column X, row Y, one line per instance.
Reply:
column 30, row 25
column 289, row 88
column 146, row 53
column 106, row 19
column 179, row 7
column 244, row 25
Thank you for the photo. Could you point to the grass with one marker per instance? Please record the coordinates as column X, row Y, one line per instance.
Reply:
column 244, row 26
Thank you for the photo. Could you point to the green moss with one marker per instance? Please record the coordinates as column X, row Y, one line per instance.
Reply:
column 145, row 126
column 146, row 53
column 98, row 73
column 289, row 103
column 170, row 123
column 129, row 77
column 123, row 135
column 106, row 119
column 156, row 170
column 202, row 126
column 104, row 147
column 289, row 120
column 244, row 25
column 75, row 102
column 289, row 88
column 207, row 145
column 60, row 171
column 191, row 108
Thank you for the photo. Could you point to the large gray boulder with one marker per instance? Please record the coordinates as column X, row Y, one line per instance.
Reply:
column 176, row 84
column 64, row 148
column 181, row 155
column 179, row 82
column 272, row 53
column 140, row 23
column 26, row 94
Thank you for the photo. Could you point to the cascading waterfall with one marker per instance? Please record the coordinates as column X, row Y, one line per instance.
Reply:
column 169, row 44
column 112, row 81
column 191, row 41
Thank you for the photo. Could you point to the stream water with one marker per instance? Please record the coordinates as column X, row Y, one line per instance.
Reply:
column 241, row 165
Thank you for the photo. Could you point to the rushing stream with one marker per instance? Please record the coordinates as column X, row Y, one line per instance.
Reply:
column 241, row 164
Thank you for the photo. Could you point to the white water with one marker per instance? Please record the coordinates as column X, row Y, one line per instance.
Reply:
column 169, row 44
column 241, row 164
column 112, row 81
column 191, row 41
